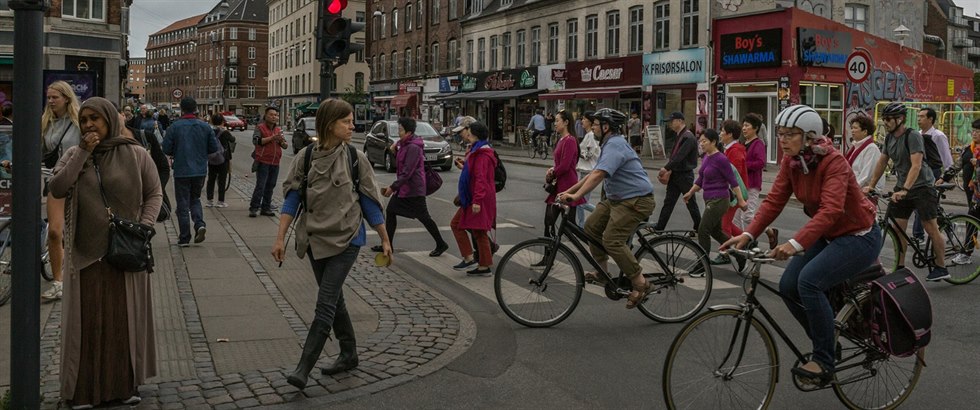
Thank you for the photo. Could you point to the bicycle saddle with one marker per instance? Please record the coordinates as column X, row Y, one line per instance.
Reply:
column 945, row 187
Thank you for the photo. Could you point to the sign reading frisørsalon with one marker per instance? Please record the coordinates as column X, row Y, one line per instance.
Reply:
column 752, row 49
column 674, row 67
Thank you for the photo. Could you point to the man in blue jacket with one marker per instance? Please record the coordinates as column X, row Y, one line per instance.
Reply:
column 189, row 141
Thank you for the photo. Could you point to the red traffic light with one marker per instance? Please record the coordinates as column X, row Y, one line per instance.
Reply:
column 336, row 6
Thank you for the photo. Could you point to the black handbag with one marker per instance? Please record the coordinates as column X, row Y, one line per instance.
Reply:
column 129, row 247
column 51, row 159
column 550, row 187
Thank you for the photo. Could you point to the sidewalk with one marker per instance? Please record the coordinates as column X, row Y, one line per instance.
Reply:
column 230, row 323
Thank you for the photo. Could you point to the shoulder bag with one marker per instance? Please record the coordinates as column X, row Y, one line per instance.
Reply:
column 51, row 159
column 129, row 247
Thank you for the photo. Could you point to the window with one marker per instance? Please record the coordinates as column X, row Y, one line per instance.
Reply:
column 636, row 29
column 591, row 36
column 827, row 100
column 661, row 26
column 251, row 91
column 436, row 12
column 394, row 64
column 689, row 23
column 433, row 57
column 358, row 81
column 408, row 17
column 251, row 71
column 251, row 53
column 612, row 33
column 408, row 62
column 493, row 52
column 233, row 52
column 359, row 18
column 481, row 49
column 232, row 73
column 856, row 16
column 469, row 56
column 452, row 63
column 384, row 22
column 84, row 9
column 571, row 44
column 251, row 34
column 394, row 22
column 233, row 33
column 420, row 13
column 418, row 59
column 233, row 92
column 521, row 55
column 535, row 45
column 453, row 9
column 506, row 51
column 382, row 67
column 553, row 43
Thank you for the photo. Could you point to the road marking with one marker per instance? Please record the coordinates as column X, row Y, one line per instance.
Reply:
column 443, row 265
column 441, row 228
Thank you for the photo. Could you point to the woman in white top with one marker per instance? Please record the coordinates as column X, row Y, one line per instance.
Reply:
column 863, row 153
column 588, row 156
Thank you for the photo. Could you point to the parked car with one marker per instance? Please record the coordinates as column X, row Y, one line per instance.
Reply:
column 304, row 134
column 385, row 133
column 235, row 123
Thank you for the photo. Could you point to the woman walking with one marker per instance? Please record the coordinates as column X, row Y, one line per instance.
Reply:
column 588, row 157
column 338, row 196
column 562, row 175
column 735, row 152
column 755, row 163
column 863, row 154
column 717, row 179
column 477, row 201
column 59, row 130
column 107, row 340
column 220, row 172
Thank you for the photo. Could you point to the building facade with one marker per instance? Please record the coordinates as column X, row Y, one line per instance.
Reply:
column 171, row 63
column 946, row 21
column 85, row 43
column 294, row 78
column 136, row 80
column 232, row 56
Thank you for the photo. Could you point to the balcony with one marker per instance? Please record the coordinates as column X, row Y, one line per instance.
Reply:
column 973, row 51
column 232, row 60
column 962, row 42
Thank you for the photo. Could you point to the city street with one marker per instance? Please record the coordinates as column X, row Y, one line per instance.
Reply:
column 230, row 323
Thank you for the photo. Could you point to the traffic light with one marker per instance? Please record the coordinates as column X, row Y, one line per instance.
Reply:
column 335, row 33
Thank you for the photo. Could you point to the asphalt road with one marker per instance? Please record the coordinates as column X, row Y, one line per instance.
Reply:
column 605, row 356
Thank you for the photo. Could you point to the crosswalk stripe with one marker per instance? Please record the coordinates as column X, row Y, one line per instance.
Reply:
column 443, row 265
column 595, row 290
column 441, row 228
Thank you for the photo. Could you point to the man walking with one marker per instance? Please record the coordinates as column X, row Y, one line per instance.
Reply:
column 536, row 126
column 927, row 120
column 679, row 172
column 635, row 127
column 189, row 142
column 269, row 142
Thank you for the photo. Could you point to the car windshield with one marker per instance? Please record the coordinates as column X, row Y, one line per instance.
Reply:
column 309, row 123
column 422, row 129
column 231, row 118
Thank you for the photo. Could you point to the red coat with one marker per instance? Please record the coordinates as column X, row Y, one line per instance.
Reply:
column 830, row 196
column 566, row 158
column 736, row 155
column 481, row 165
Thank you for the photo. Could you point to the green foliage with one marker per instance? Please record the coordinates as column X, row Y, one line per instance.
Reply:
column 354, row 95
column 5, row 401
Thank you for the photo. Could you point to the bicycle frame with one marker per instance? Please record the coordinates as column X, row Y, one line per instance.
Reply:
column 922, row 251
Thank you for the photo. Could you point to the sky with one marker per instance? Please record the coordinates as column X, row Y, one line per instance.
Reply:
column 149, row 16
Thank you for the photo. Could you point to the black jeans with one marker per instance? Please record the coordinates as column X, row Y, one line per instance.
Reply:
column 188, row 192
column 218, row 173
column 680, row 182
column 330, row 273
column 265, row 183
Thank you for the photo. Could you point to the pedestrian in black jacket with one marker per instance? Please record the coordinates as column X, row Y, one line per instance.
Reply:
column 678, row 174
column 220, row 172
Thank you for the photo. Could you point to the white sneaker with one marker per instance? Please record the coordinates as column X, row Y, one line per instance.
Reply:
column 54, row 292
column 221, row 204
column 210, row 204
column 133, row 400
column 962, row 259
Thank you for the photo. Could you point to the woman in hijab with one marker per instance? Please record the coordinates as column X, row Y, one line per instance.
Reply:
column 107, row 338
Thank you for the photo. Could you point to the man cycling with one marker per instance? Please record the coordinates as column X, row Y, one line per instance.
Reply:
column 536, row 126
column 627, row 200
column 914, row 190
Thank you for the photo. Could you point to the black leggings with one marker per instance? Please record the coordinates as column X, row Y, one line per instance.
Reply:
column 219, row 173
column 413, row 208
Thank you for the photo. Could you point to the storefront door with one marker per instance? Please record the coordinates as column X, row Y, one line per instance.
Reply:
column 764, row 104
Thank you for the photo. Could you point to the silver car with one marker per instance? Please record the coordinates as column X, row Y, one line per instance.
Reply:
column 383, row 134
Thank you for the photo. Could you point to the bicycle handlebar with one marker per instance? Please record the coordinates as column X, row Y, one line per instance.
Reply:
column 753, row 255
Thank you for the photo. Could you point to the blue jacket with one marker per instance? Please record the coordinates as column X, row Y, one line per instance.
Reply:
column 189, row 141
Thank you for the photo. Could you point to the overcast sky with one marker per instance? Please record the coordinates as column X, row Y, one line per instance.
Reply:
column 149, row 16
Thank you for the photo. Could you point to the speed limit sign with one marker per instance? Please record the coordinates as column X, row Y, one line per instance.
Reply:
column 858, row 66
column 177, row 93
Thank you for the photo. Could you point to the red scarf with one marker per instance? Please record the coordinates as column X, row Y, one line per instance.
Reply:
column 853, row 154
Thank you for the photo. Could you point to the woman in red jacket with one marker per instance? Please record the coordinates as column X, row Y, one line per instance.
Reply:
column 477, row 200
column 841, row 239
column 563, row 174
column 735, row 152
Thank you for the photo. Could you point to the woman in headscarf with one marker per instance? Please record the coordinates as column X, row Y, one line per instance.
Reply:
column 107, row 337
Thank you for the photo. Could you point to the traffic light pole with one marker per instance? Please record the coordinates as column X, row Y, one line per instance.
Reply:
column 326, row 75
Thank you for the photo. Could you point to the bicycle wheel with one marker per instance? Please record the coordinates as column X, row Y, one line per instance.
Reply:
column 528, row 147
column 6, row 279
column 961, row 241
column 867, row 377
column 721, row 361
column 890, row 244
column 537, row 297
column 682, row 274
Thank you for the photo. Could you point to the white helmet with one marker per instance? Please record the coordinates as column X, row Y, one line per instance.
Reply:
column 802, row 117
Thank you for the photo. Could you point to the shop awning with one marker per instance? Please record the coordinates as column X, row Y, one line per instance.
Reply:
column 384, row 97
column 513, row 93
column 403, row 100
column 475, row 95
column 301, row 107
column 586, row 93
column 442, row 95
column 312, row 107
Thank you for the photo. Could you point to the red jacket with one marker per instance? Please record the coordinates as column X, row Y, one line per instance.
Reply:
column 482, row 164
column 566, row 158
column 736, row 155
column 269, row 153
column 830, row 196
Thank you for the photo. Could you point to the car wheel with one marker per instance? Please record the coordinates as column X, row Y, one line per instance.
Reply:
column 389, row 162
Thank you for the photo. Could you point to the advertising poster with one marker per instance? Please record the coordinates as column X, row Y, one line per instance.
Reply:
column 702, row 113
column 83, row 82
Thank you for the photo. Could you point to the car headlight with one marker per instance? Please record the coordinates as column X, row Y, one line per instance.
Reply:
column 445, row 150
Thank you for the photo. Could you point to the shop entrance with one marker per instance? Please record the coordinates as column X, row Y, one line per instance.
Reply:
column 762, row 103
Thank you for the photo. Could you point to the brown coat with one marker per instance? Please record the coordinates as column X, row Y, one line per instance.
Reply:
column 131, row 195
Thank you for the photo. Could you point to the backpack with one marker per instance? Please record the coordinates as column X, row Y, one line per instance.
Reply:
column 217, row 157
column 931, row 155
column 901, row 315
column 499, row 174
column 308, row 161
column 433, row 181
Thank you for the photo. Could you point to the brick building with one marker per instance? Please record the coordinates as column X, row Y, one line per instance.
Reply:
column 171, row 61
column 233, row 58
column 135, row 88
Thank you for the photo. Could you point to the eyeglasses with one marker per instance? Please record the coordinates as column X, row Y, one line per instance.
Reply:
column 886, row 119
column 787, row 135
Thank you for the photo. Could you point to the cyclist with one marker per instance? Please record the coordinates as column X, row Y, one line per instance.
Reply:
column 914, row 190
column 841, row 239
column 627, row 200
column 536, row 126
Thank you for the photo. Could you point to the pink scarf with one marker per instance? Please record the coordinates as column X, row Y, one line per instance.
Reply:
column 811, row 154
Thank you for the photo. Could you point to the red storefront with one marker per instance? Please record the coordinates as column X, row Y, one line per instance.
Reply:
column 765, row 62
column 613, row 83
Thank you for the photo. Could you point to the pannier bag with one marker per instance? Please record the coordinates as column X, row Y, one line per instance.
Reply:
column 901, row 317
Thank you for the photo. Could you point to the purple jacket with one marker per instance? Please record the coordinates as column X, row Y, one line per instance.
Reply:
column 410, row 164
column 716, row 176
column 755, row 162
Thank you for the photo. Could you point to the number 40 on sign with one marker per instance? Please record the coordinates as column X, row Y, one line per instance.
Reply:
column 858, row 66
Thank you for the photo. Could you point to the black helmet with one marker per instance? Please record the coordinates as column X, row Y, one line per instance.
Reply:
column 610, row 116
column 894, row 109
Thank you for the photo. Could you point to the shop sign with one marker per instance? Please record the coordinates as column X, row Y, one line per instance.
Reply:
column 498, row 81
column 674, row 67
column 502, row 80
column 558, row 74
column 409, row 87
column 612, row 72
column 527, row 80
column 469, row 83
column 382, row 87
column 822, row 48
column 752, row 49
column 448, row 84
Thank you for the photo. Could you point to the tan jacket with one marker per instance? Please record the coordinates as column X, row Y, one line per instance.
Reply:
column 334, row 215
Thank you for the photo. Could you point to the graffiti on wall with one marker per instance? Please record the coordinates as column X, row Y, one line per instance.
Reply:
column 730, row 5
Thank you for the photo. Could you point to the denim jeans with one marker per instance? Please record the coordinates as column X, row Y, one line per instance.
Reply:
column 188, row 193
column 265, row 183
column 331, row 272
column 808, row 277
column 580, row 210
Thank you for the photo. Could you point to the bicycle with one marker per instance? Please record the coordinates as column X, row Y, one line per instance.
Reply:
column 960, row 231
column 727, row 358
column 526, row 144
column 540, row 150
column 6, row 252
column 539, row 282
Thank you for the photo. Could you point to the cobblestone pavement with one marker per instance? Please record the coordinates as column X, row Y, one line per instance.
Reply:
column 418, row 331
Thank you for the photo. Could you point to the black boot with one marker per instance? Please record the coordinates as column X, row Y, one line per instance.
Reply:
column 319, row 331
column 344, row 330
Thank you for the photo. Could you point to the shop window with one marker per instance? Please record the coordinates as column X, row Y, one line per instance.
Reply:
column 636, row 29
column 552, row 43
column 612, row 33
column 571, row 44
column 689, row 23
column 521, row 39
column 591, row 36
column 827, row 100
column 506, row 50
column 661, row 26
column 856, row 16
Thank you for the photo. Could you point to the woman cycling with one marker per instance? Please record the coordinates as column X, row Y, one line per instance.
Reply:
column 59, row 130
column 841, row 239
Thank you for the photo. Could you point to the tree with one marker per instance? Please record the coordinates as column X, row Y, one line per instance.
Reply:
column 354, row 95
